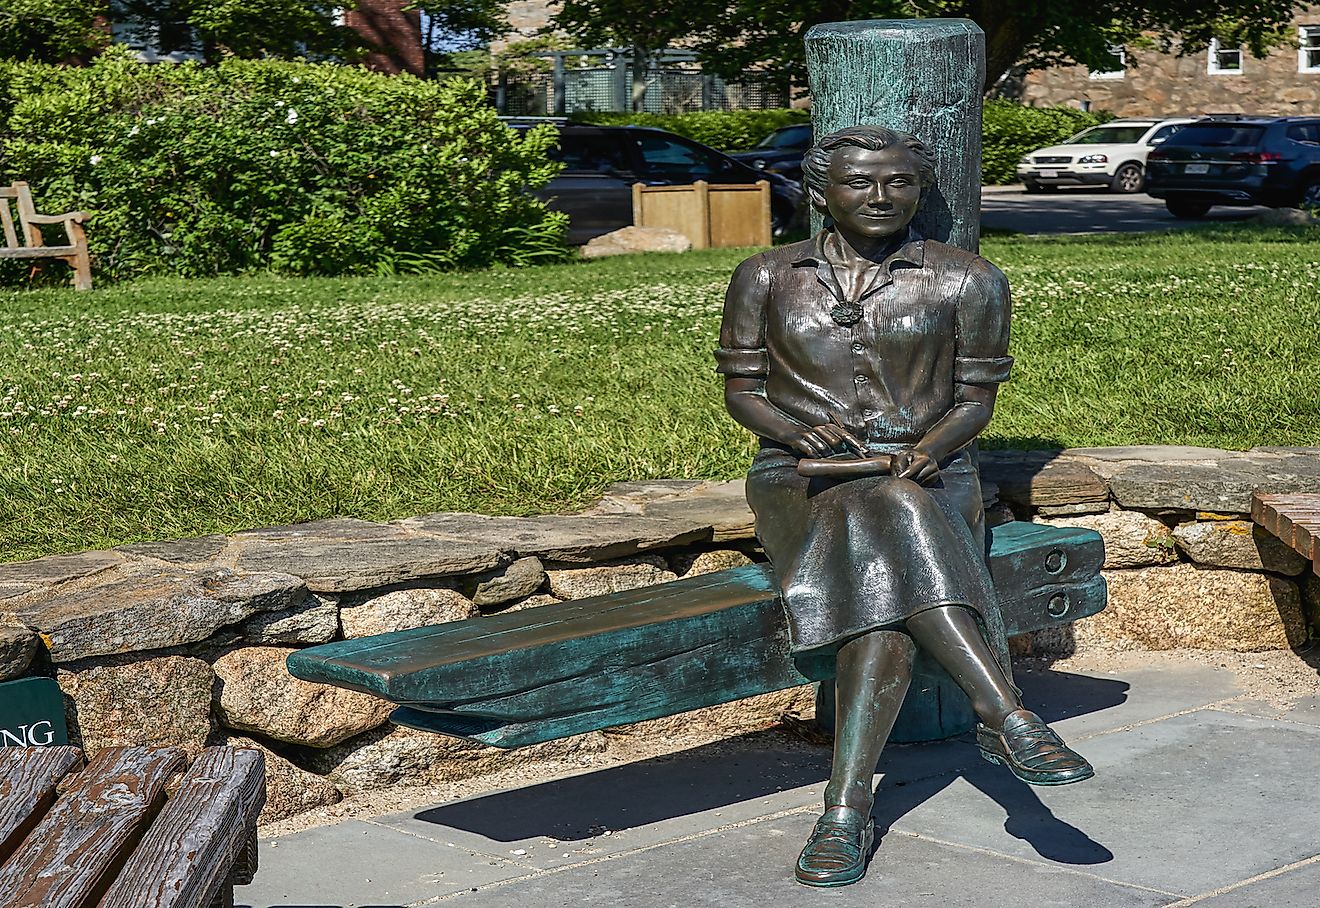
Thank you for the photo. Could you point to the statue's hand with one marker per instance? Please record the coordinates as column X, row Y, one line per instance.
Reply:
column 823, row 441
column 917, row 465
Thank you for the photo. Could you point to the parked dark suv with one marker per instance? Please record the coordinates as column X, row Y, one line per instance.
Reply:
column 602, row 162
column 1271, row 161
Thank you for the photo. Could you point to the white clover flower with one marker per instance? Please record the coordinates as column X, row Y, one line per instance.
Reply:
column 151, row 121
column 292, row 117
column 274, row 154
column 134, row 131
column 95, row 159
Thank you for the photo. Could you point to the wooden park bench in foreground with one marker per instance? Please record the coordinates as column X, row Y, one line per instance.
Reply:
column 557, row 670
column 138, row 827
column 25, row 240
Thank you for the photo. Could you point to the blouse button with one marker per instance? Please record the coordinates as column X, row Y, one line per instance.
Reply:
column 868, row 413
column 858, row 348
column 860, row 379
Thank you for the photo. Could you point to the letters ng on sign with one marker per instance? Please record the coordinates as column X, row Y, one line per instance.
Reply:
column 32, row 714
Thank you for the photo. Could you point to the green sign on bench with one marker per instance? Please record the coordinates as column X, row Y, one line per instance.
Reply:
column 539, row 674
column 32, row 714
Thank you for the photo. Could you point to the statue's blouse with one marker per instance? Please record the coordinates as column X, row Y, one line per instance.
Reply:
column 929, row 317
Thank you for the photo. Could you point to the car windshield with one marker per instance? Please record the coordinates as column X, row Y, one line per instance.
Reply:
column 1109, row 135
column 788, row 137
column 1218, row 135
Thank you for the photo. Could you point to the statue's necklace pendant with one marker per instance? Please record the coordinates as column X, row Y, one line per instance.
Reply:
column 846, row 314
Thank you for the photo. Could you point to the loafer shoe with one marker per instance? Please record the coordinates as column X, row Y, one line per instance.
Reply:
column 1032, row 751
column 838, row 850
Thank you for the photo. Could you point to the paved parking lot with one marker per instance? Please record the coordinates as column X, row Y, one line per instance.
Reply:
column 1087, row 211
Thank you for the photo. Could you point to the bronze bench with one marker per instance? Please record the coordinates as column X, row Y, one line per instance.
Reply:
column 138, row 827
column 538, row 674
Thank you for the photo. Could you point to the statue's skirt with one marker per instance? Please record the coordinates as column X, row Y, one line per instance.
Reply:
column 856, row 555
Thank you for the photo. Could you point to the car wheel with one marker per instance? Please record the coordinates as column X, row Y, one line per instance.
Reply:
column 1310, row 200
column 1127, row 178
column 1186, row 210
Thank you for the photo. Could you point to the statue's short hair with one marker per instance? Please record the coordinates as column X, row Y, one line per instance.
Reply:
column 816, row 162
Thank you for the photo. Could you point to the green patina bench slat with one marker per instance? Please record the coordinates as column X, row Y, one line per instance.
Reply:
column 524, row 677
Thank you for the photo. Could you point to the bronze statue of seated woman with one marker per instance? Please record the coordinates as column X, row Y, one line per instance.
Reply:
column 867, row 360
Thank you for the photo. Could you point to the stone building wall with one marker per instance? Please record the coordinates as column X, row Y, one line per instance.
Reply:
column 184, row 643
column 1156, row 84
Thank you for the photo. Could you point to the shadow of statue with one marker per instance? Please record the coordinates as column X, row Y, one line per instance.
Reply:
column 758, row 766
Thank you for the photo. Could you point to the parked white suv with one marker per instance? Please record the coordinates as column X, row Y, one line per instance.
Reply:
column 1112, row 154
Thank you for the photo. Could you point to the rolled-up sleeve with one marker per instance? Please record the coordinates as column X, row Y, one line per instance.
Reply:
column 984, row 309
column 742, row 353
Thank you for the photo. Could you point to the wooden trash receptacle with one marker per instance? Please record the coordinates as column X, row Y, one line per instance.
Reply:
column 711, row 215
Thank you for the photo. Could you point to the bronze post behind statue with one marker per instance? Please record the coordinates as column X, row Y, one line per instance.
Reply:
column 922, row 76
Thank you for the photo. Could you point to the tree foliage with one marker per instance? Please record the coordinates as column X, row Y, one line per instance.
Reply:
column 50, row 31
column 735, row 35
column 213, row 29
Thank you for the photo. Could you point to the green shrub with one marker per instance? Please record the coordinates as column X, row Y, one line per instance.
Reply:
column 1010, row 130
column 727, row 130
column 304, row 168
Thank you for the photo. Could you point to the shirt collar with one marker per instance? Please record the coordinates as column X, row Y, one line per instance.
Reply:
column 912, row 252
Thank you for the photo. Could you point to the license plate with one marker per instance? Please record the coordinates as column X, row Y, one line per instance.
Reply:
column 1197, row 168
column 1049, row 174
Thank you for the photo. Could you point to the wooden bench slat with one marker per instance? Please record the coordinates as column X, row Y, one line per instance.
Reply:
column 188, row 854
column 523, row 677
column 28, row 777
column 37, row 252
column 74, row 852
column 1294, row 519
column 7, row 218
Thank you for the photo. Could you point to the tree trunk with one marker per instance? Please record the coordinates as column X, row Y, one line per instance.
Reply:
column 641, row 62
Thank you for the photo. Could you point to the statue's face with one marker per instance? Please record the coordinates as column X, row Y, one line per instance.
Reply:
column 872, row 193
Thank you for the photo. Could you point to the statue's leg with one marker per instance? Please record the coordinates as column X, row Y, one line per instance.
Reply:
column 872, row 676
column 952, row 635
column 1008, row 733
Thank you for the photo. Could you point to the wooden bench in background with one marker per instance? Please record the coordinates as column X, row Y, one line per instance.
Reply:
column 557, row 670
column 136, row 828
column 25, row 240
column 1294, row 519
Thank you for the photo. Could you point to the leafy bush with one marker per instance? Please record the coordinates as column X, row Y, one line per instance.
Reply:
column 1010, row 130
column 304, row 168
column 727, row 130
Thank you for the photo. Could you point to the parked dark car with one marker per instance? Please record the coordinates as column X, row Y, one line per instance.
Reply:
column 601, row 163
column 1272, row 161
column 780, row 152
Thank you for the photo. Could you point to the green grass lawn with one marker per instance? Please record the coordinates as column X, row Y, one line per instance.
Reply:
column 173, row 408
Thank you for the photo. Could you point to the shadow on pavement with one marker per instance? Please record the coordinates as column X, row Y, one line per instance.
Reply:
column 759, row 766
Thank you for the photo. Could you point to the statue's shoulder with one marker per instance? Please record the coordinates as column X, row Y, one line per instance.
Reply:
column 791, row 252
column 773, row 260
column 959, row 259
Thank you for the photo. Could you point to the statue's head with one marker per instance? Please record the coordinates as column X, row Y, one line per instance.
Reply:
column 868, row 179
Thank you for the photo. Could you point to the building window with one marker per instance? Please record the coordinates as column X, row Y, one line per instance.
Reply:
column 1224, row 61
column 1118, row 51
column 1308, row 51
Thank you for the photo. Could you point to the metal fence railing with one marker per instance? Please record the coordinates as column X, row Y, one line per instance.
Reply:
column 605, row 80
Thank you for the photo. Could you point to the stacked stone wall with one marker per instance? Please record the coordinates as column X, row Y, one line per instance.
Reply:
column 1168, row 85
column 184, row 642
